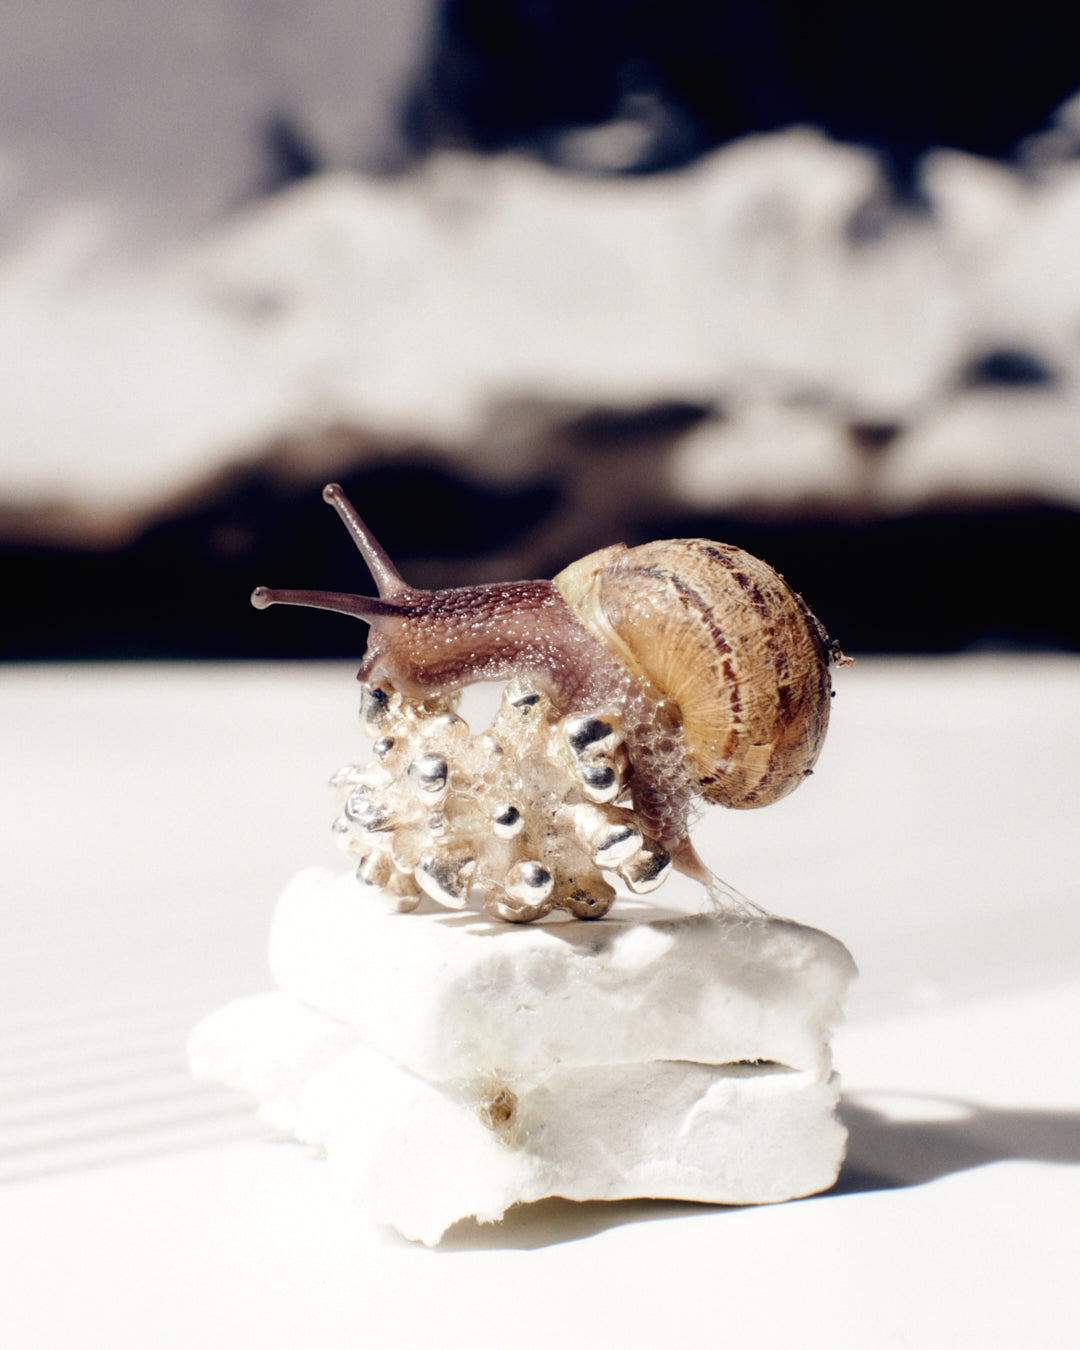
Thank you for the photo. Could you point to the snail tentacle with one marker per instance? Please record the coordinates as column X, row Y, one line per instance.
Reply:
column 359, row 606
column 387, row 578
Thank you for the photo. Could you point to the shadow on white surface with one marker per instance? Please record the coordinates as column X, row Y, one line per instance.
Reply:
column 914, row 1140
column 896, row 1140
column 548, row 1223
column 87, row 1088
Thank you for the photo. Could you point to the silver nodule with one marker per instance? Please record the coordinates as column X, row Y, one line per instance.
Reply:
column 529, row 881
column 430, row 776
column 445, row 877
column 507, row 821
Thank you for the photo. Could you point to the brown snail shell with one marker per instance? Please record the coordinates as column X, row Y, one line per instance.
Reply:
column 720, row 634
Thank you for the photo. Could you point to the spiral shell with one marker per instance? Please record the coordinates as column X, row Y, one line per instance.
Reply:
column 722, row 636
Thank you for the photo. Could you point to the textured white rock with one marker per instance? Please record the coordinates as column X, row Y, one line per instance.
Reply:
column 421, row 1155
column 451, row 1066
column 441, row 993
column 269, row 1046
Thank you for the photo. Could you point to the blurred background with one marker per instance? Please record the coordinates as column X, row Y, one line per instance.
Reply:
column 530, row 277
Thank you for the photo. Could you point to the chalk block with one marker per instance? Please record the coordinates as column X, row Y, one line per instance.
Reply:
column 454, row 1066
column 442, row 993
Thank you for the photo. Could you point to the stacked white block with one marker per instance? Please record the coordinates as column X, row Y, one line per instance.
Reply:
column 452, row 1065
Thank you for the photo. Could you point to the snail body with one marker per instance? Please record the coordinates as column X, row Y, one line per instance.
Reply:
column 719, row 671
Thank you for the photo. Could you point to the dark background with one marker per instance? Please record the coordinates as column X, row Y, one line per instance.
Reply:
column 980, row 571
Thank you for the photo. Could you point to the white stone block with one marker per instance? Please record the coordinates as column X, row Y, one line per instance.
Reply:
column 452, row 1066
column 443, row 993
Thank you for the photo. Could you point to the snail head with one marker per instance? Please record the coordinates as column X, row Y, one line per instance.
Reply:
column 388, row 614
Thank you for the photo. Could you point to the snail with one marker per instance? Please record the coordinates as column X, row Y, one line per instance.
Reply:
column 718, row 669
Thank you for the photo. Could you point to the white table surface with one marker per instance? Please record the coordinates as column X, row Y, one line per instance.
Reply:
column 149, row 816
